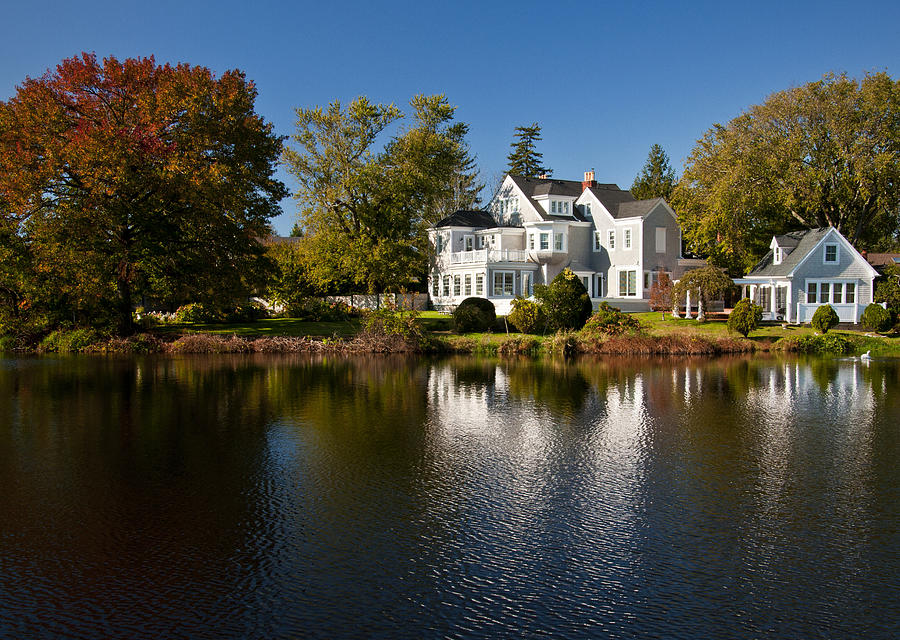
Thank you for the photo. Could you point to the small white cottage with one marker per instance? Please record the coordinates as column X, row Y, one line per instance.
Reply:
column 804, row 270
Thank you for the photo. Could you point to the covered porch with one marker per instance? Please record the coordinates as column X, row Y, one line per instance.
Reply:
column 774, row 296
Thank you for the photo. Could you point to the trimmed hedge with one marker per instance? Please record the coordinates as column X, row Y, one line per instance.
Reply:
column 474, row 315
column 825, row 318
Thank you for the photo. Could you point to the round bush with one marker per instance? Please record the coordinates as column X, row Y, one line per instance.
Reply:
column 527, row 316
column 745, row 317
column 473, row 315
column 611, row 321
column 876, row 318
column 824, row 318
column 565, row 301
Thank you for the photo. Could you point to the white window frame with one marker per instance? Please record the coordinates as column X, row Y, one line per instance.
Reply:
column 627, row 243
column 435, row 285
column 661, row 238
column 559, row 243
column 467, row 284
column 847, row 289
column 457, row 285
column 611, row 238
column 503, row 289
column 531, row 241
column 544, row 241
column 628, row 283
column 553, row 206
column 439, row 243
column 837, row 253
column 597, row 245
column 479, row 284
column 446, row 286
column 469, row 243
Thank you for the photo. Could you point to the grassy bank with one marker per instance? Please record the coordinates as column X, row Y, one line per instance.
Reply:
column 660, row 335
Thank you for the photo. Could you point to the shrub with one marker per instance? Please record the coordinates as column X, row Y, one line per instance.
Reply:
column 565, row 301
column 564, row 343
column 833, row 343
column 319, row 310
column 74, row 341
column 825, row 318
column 520, row 345
column 876, row 318
column 745, row 317
column 474, row 314
column 527, row 315
column 610, row 321
column 246, row 312
column 196, row 312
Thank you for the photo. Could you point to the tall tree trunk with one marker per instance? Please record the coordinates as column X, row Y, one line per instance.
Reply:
column 123, row 307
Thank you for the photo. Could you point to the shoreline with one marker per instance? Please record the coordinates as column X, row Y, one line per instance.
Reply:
column 431, row 343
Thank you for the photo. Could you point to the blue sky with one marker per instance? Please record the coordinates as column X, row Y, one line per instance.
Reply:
column 605, row 80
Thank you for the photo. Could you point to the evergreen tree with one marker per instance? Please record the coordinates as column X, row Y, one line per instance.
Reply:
column 525, row 160
column 657, row 178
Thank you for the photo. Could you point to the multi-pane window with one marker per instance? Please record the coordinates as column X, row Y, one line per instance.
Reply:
column 627, row 238
column 457, row 285
column 558, row 245
column 831, row 253
column 818, row 292
column 837, row 293
column 469, row 242
column 596, row 241
column 439, row 243
column 446, row 285
column 545, row 241
column 503, row 283
column 825, row 292
column 531, row 241
column 435, row 285
column 479, row 284
column 611, row 239
column 627, row 283
column 553, row 206
column 468, row 284
column 850, row 298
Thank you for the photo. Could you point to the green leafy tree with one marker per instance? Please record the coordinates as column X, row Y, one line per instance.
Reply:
column 823, row 154
column 365, row 211
column 129, row 177
column 745, row 317
column 525, row 159
column 711, row 283
column 888, row 289
column 825, row 318
column 474, row 314
column 565, row 301
column 657, row 178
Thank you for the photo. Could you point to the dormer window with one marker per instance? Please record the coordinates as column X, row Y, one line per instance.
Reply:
column 778, row 255
column 831, row 253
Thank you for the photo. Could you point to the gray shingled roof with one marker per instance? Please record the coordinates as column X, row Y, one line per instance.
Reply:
column 806, row 242
column 549, row 186
column 637, row 209
column 464, row 218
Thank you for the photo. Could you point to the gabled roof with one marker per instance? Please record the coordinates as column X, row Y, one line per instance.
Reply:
column 788, row 240
column 882, row 260
column 805, row 241
column 611, row 197
column 532, row 187
column 637, row 209
column 467, row 218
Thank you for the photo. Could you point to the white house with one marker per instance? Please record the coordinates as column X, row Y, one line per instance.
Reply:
column 804, row 270
column 536, row 227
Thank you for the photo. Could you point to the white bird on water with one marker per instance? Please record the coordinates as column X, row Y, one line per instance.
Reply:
column 866, row 355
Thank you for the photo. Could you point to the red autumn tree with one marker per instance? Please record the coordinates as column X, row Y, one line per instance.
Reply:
column 127, row 177
column 661, row 298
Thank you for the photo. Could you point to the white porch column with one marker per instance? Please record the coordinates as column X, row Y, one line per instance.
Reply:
column 788, row 316
column 687, row 304
column 700, row 315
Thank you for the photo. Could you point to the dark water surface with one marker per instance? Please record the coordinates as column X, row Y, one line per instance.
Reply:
column 251, row 497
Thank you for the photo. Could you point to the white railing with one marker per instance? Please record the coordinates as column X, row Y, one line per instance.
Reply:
column 489, row 255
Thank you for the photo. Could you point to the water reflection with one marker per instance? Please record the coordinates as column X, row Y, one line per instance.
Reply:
column 319, row 497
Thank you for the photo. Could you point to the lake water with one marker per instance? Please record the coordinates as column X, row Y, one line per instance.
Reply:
column 290, row 497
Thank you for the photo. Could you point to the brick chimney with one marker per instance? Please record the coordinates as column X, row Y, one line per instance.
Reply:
column 588, row 181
